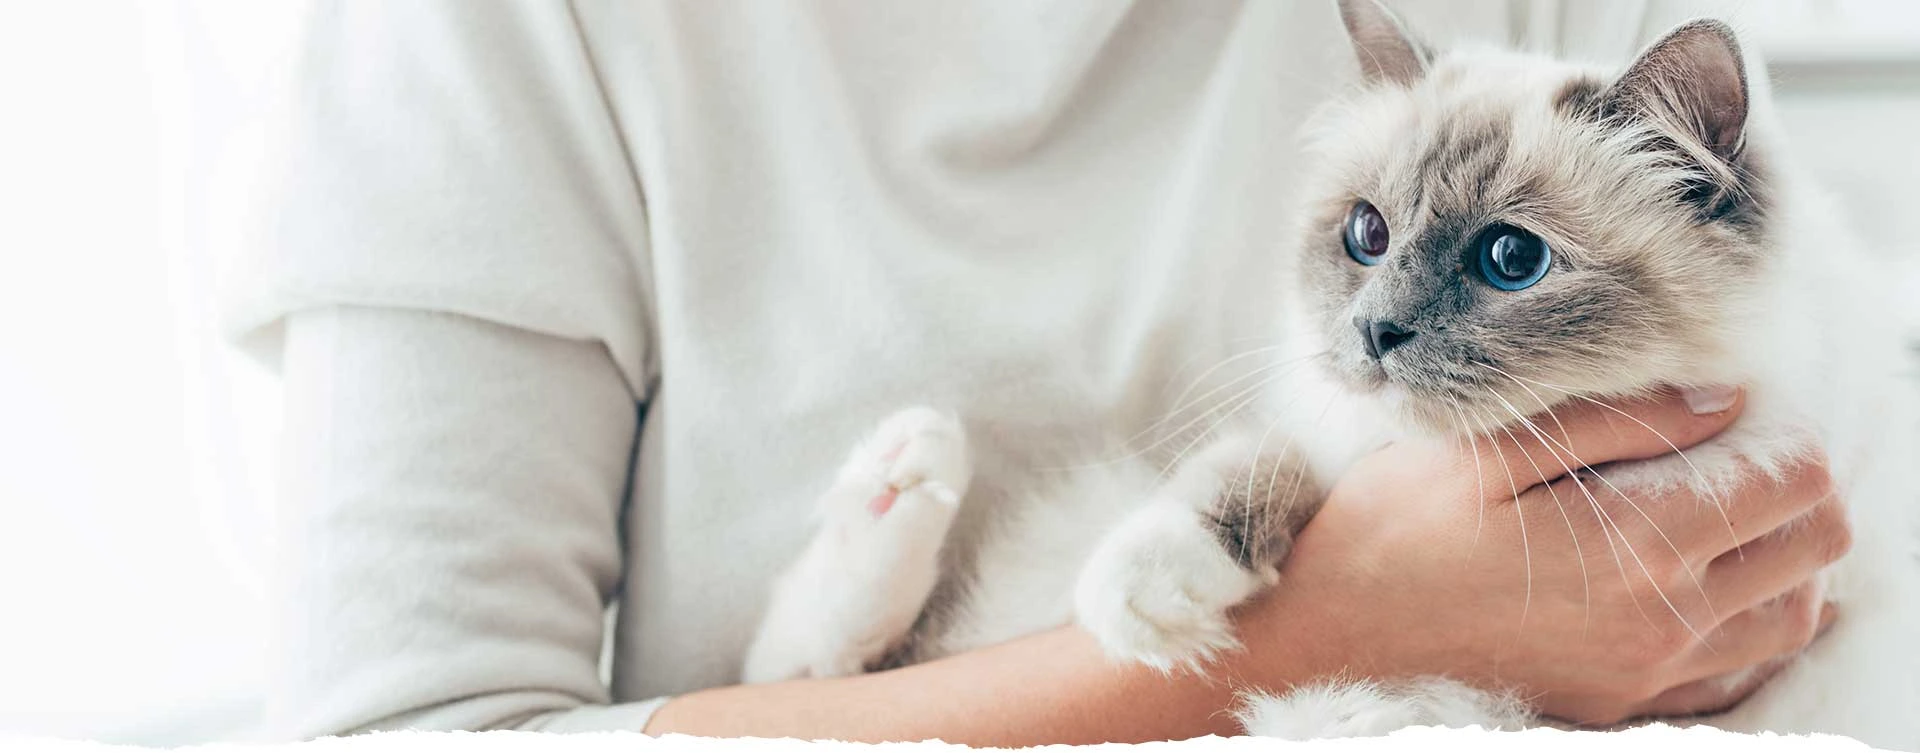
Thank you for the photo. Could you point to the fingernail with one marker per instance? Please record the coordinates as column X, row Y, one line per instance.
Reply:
column 1709, row 400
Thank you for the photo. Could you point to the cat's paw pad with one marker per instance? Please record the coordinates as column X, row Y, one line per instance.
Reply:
column 1158, row 589
column 927, row 460
column 915, row 464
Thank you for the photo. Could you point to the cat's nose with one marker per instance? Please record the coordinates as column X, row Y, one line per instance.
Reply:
column 1381, row 336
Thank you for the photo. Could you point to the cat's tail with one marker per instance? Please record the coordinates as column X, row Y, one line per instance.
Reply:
column 1366, row 709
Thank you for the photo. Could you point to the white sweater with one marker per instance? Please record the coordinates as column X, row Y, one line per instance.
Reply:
column 580, row 305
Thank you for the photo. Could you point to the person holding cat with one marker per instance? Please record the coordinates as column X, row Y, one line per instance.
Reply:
column 575, row 302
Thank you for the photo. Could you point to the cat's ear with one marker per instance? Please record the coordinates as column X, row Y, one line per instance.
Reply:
column 1693, row 80
column 1387, row 51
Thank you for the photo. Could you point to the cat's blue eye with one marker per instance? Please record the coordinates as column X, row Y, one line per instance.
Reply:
column 1366, row 234
column 1511, row 258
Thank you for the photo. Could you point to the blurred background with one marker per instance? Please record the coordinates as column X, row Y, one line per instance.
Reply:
column 136, row 451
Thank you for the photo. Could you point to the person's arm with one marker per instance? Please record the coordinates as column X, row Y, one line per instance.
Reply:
column 1419, row 565
column 1055, row 687
column 448, row 526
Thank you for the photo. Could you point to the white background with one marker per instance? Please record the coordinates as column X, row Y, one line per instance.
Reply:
column 135, row 451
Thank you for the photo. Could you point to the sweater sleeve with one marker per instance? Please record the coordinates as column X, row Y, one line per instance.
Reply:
column 447, row 538
column 447, row 262
column 446, row 156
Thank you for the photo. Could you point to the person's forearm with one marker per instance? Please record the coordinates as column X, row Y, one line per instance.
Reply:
column 1054, row 687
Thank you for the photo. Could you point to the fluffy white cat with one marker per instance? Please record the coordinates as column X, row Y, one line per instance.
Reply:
column 1489, row 235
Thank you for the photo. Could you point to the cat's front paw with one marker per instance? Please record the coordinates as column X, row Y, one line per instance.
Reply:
column 1158, row 589
column 918, row 454
column 863, row 580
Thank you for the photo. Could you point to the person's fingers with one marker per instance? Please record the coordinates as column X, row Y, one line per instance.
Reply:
column 1678, row 532
column 1775, row 562
column 1758, row 505
column 1762, row 505
column 1711, row 695
column 1723, row 691
column 1780, row 626
column 1698, row 527
column 1583, row 433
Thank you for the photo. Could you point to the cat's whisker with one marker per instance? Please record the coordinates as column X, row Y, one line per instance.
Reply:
column 1187, row 363
column 1299, row 477
column 1195, row 382
column 1610, row 529
column 1607, row 528
column 1526, row 547
column 1479, row 475
column 1600, row 513
column 1238, row 400
column 1253, row 469
column 1273, row 478
column 1713, row 491
column 1245, row 397
column 1300, row 474
column 1698, row 586
column 1643, row 513
column 1180, row 401
column 1565, row 436
column 1586, row 585
column 1266, row 377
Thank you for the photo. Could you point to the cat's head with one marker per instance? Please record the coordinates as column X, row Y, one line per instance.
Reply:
column 1489, row 229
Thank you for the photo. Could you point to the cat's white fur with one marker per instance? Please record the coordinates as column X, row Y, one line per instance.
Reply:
column 1156, row 585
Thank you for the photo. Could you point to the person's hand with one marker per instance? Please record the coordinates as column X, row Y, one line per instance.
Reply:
column 1596, row 607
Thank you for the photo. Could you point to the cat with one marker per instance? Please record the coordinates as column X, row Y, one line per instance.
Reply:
column 1489, row 234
